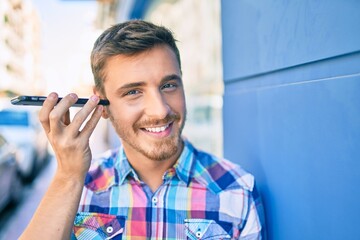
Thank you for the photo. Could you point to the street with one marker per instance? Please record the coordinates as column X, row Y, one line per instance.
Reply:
column 15, row 219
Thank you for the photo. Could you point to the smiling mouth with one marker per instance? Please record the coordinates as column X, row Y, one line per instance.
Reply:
column 158, row 129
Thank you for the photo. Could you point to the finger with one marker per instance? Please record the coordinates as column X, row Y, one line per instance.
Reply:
column 81, row 116
column 45, row 110
column 93, row 121
column 58, row 115
column 66, row 118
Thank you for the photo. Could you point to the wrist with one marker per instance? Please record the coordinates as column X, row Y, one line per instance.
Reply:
column 64, row 179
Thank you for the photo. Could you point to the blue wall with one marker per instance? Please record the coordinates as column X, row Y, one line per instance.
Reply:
column 292, row 111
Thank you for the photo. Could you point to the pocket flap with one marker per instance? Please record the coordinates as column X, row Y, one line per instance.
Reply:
column 105, row 226
column 204, row 229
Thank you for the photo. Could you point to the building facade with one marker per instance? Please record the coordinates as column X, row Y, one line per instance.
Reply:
column 20, row 48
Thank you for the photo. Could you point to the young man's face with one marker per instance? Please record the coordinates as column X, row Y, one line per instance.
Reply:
column 147, row 102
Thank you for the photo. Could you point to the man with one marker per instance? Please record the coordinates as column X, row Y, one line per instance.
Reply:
column 156, row 185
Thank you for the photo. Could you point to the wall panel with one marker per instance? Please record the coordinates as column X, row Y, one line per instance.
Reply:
column 292, row 111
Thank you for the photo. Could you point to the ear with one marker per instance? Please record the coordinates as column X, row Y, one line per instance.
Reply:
column 105, row 113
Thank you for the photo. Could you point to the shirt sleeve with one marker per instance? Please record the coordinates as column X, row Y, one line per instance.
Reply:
column 254, row 228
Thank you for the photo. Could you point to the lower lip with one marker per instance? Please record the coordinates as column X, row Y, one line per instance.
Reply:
column 162, row 134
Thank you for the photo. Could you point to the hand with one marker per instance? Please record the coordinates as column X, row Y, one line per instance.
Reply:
column 71, row 146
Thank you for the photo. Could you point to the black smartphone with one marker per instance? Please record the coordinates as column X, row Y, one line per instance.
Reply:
column 39, row 100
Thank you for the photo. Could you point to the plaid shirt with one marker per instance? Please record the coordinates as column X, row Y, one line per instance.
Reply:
column 202, row 197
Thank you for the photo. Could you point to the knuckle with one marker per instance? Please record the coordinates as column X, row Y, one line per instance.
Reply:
column 78, row 120
column 64, row 143
column 91, row 124
column 53, row 116
column 88, row 108
column 82, row 115
column 42, row 117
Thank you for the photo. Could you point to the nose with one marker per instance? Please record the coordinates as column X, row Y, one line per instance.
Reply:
column 156, row 106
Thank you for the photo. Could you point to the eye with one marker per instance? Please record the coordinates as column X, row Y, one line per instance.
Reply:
column 169, row 86
column 132, row 92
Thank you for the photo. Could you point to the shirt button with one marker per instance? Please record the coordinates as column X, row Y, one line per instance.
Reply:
column 198, row 234
column 109, row 229
column 155, row 200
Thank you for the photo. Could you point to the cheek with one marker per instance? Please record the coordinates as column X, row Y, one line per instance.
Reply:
column 178, row 104
column 125, row 115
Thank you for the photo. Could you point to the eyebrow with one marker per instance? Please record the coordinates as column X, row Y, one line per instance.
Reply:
column 140, row 84
column 131, row 85
column 171, row 77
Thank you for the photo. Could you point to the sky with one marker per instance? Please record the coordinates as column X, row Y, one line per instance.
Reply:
column 67, row 37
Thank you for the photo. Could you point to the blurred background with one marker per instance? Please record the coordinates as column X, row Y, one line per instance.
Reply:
column 272, row 85
column 45, row 46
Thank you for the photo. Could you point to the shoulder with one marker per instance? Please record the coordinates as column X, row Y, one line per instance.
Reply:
column 220, row 174
column 104, row 160
column 101, row 174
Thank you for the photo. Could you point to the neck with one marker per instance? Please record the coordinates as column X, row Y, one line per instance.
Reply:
column 151, row 171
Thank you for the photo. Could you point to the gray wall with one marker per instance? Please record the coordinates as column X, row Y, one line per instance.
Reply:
column 292, row 111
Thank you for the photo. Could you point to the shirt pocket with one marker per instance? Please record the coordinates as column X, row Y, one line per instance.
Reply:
column 204, row 229
column 95, row 226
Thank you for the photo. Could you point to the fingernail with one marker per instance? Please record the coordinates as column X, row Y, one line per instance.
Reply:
column 94, row 98
column 73, row 95
column 52, row 95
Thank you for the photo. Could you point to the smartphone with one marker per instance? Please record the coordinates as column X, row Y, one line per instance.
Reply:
column 39, row 100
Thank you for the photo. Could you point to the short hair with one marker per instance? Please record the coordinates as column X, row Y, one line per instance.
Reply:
column 128, row 38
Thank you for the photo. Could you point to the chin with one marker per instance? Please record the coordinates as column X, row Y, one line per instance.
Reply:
column 163, row 151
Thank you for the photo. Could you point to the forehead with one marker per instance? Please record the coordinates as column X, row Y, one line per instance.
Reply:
column 150, row 65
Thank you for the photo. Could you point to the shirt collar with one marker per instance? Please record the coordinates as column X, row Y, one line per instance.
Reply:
column 123, row 166
column 182, row 167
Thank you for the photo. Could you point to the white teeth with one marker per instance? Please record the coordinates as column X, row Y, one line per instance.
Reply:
column 157, row 129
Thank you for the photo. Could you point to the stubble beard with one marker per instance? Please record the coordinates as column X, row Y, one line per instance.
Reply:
column 158, row 150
